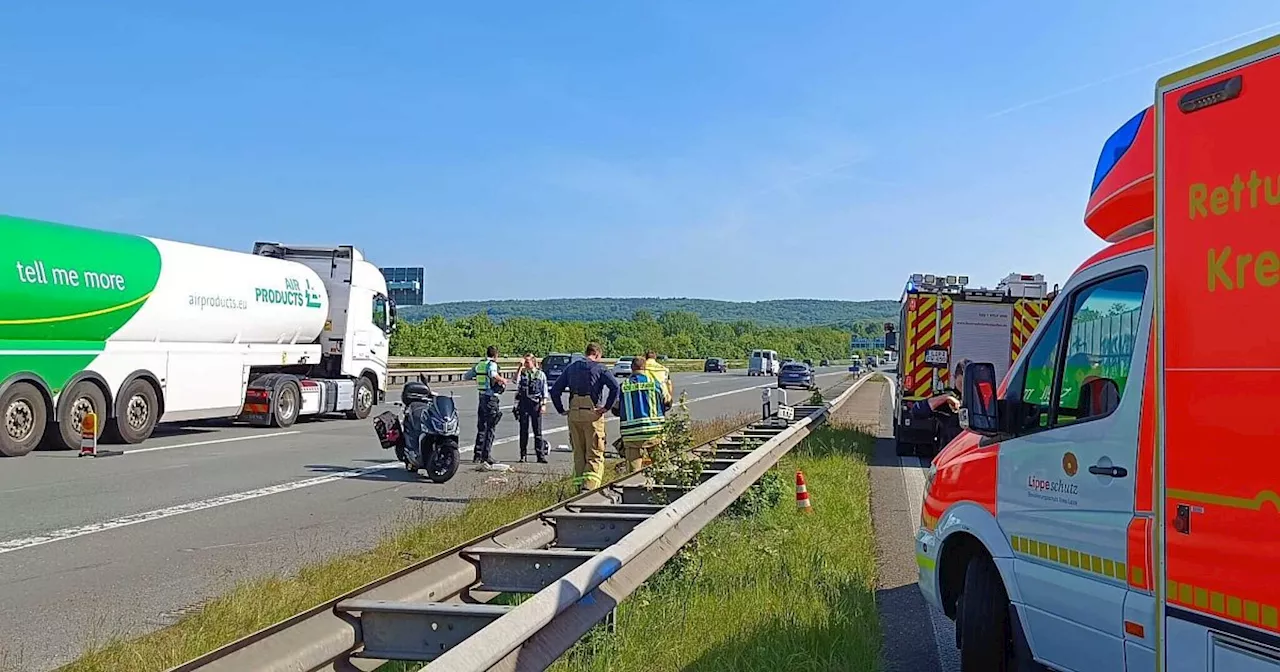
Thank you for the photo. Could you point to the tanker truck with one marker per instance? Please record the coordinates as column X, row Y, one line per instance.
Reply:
column 141, row 331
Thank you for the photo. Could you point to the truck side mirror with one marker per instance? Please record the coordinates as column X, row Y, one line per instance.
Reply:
column 979, row 412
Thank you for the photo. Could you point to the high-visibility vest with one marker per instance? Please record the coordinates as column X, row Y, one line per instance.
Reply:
column 641, row 414
column 660, row 374
column 482, row 375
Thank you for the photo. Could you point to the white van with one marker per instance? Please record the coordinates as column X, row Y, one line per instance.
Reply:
column 763, row 363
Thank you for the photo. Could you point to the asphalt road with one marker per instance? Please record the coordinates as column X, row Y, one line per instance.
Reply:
column 917, row 638
column 116, row 546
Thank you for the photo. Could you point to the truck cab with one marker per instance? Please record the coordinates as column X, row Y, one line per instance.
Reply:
column 1111, row 505
column 356, row 341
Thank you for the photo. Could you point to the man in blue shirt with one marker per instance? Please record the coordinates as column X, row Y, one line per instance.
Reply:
column 490, row 384
column 586, row 379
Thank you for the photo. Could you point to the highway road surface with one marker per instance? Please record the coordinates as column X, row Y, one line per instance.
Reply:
column 110, row 546
column 917, row 638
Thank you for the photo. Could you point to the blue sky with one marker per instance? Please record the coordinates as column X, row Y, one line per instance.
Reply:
column 742, row 151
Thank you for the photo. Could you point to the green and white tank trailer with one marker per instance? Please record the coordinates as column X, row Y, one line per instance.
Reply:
column 142, row 330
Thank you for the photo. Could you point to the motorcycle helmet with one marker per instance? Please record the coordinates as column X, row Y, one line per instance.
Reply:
column 415, row 391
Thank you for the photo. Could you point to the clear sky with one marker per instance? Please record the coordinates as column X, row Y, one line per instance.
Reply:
column 736, row 150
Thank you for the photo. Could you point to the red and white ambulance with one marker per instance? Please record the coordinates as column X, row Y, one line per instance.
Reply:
column 1114, row 503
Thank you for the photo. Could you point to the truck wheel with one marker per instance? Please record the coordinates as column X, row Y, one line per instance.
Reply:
column 288, row 400
column 365, row 396
column 982, row 620
column 24, row 416
column 78, row 401
column 137, row 411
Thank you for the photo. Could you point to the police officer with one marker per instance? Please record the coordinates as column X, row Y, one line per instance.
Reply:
column 641, row 414
column 586, row 379
column 531, row 402
column 490, row 384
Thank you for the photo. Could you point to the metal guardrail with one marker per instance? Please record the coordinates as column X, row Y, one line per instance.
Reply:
column 400, row 376
column 578, row 560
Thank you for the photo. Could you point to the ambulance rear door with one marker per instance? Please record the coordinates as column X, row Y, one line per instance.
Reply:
column 1218, row 458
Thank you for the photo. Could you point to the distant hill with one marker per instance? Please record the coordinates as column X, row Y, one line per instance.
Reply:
column 782, row 312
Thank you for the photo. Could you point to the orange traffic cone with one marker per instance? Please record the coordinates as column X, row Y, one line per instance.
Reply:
column 802, row 494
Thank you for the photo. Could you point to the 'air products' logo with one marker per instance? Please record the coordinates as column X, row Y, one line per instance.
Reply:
column 293, row 294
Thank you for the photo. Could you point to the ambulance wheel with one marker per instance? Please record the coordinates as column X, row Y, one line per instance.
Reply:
column 81, row 399
column 137, row 411
column 23, row 413
column 365, row 396
column 288, row 401
column 982, row 620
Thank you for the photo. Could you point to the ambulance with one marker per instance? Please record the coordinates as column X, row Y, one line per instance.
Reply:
column 1113, row 503
column 944, row 321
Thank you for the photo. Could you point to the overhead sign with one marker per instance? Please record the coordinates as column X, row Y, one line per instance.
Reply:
column 863, row 343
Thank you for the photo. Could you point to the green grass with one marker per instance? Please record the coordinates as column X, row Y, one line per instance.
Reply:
column 261, row 602
column 776, row 591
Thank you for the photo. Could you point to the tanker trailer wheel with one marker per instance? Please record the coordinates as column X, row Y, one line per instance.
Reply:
column 22, row 419
column 288, row 401
column 365, row 395
column 137, row 411
column 78, row 401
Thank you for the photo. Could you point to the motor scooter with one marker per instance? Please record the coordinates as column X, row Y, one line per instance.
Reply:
column 425, row 436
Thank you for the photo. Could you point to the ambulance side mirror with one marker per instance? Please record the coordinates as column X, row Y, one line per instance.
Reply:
column 979, row 411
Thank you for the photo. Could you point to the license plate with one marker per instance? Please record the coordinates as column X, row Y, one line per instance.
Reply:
column 936, row 356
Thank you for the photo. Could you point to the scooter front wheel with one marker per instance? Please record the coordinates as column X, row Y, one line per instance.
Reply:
column 445, row 462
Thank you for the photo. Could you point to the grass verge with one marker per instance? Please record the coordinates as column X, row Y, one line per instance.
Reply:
column 777, row 590
column 259, row 603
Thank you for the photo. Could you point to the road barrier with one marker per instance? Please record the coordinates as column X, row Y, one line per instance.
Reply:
column 577, row 560
column 405, row 369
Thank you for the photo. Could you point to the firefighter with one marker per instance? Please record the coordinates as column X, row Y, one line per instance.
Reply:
column 490, row 384
column 586, row 379
column 531, row 403
column 660, row 374
column 641, row 413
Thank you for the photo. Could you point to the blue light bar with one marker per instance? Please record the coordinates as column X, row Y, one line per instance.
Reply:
column 1116, row 146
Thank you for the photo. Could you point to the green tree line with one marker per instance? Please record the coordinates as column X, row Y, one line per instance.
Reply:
column 777, row 313
column 676, row 334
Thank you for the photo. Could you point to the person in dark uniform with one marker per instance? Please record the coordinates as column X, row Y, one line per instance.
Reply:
column 944, row 408
column 531, row 402
column 585, row 380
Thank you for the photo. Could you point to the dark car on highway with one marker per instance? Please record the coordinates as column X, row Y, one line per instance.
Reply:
column 555, row 363
column 795, row 374
column 825, row 362
column 715, row 365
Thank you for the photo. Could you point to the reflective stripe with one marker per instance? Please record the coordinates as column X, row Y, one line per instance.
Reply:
column 641, row 416
column 1235, row 608
column 1070, row 557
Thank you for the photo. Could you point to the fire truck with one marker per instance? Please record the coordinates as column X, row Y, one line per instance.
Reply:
column 944, row 321
column 1112, row 503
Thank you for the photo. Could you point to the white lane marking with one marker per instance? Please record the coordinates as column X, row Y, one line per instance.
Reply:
column 64, row 534
column 944, row 633
column 135, row 451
